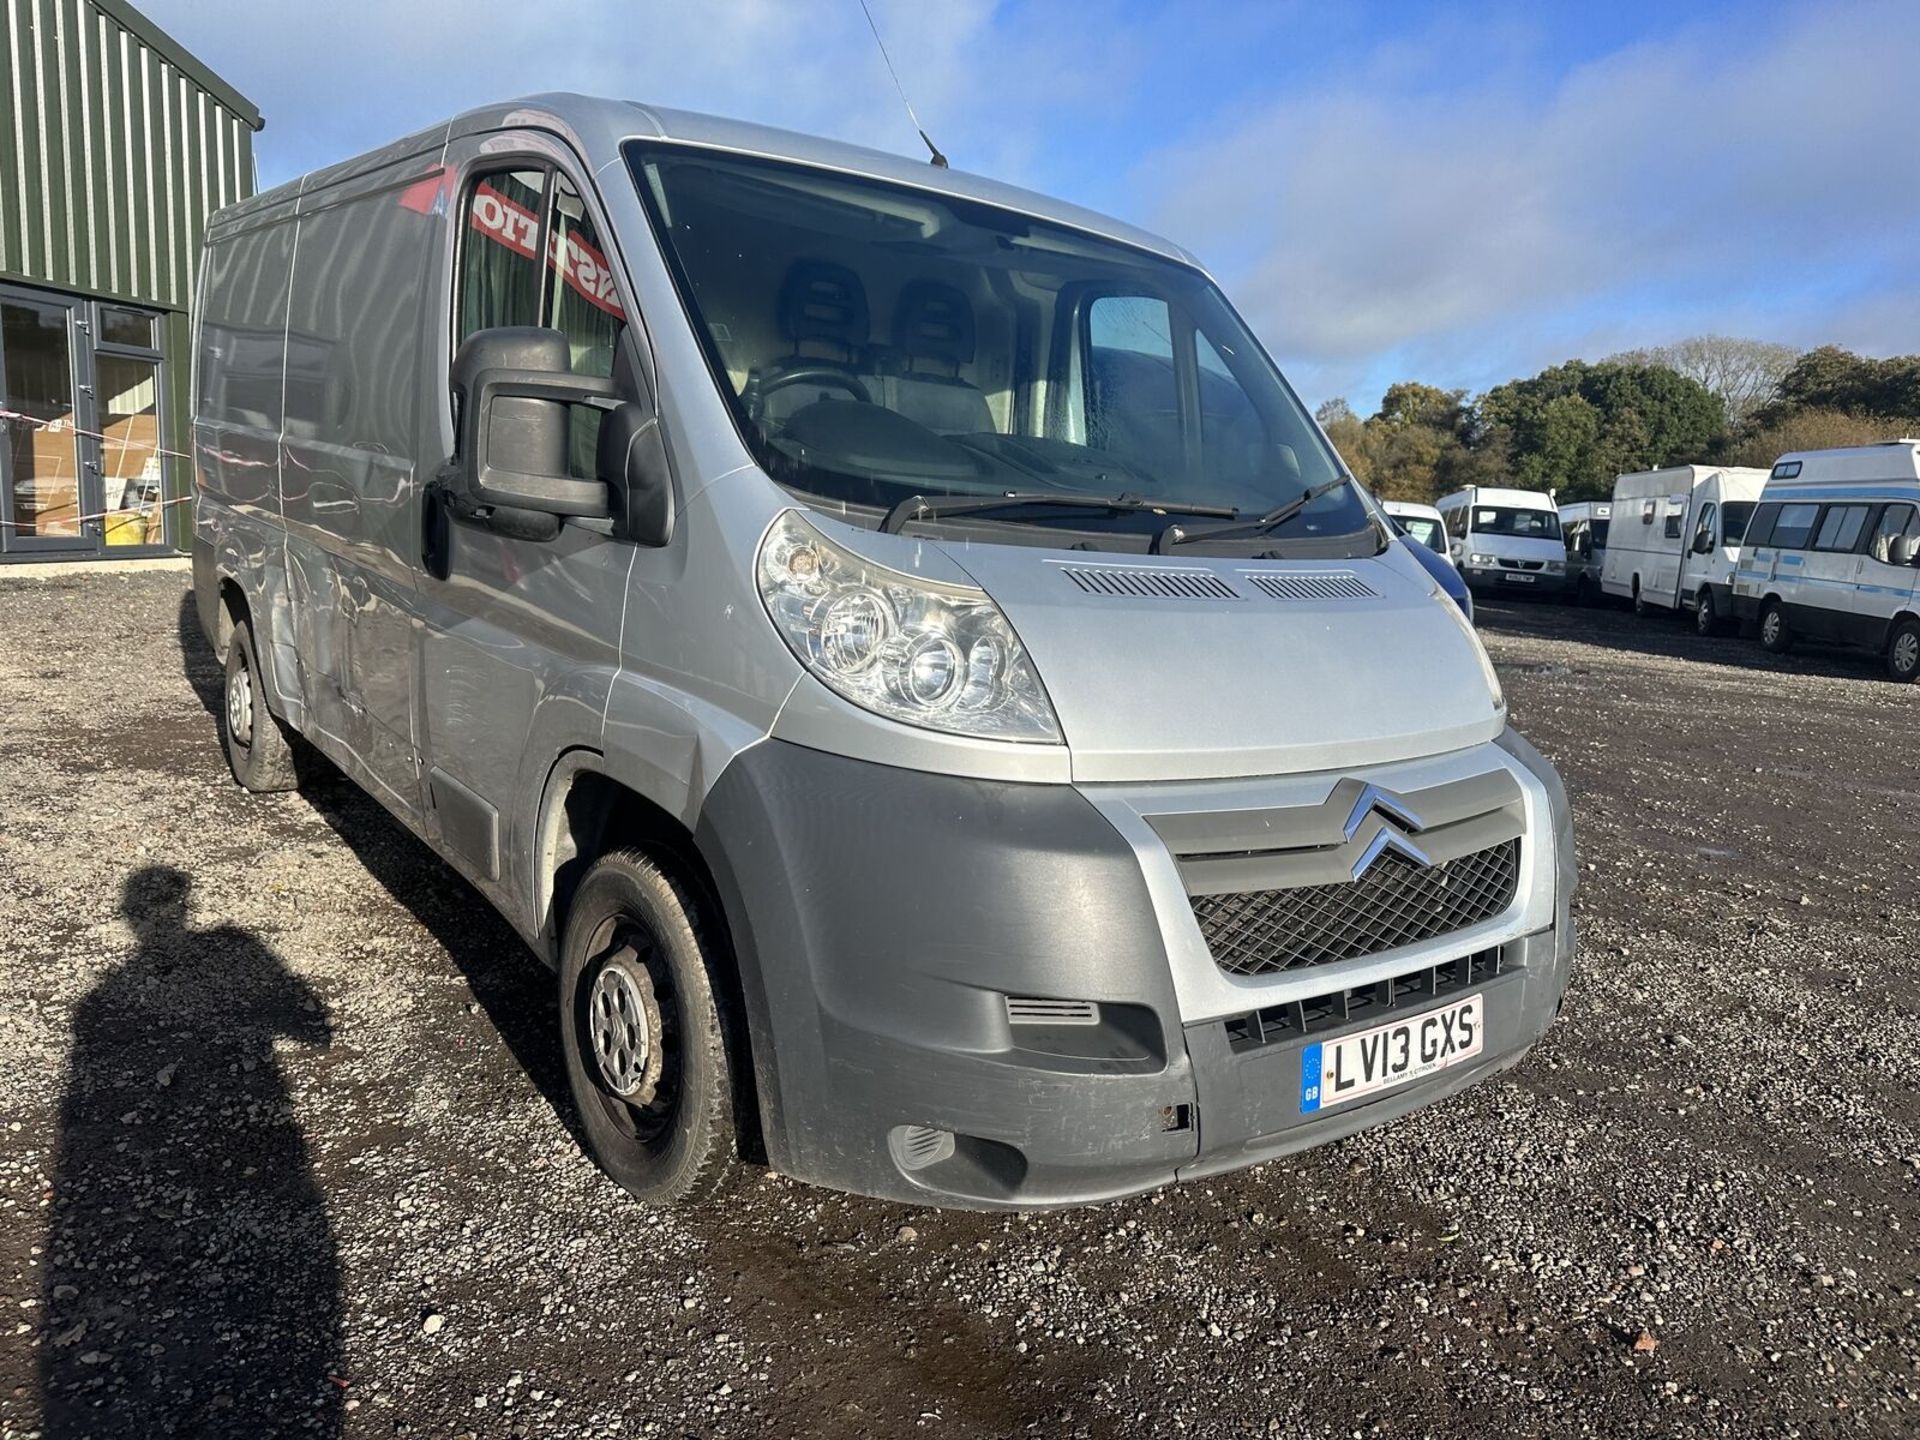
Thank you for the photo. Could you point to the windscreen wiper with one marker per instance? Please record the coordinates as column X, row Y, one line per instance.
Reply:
column 1237, row 529
column 924, row 507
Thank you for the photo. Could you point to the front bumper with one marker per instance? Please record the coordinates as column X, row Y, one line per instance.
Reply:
column 883, row 918
column 1494, row 580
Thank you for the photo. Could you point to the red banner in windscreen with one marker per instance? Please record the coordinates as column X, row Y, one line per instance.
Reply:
column 509, row 223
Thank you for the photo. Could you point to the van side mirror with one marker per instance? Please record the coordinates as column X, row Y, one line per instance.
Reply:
column 515, row 385
column 1703, row 543
column 632, row 455
column 1905, row 550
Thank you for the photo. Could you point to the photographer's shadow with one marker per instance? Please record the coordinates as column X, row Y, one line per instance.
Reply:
column 191, row 1280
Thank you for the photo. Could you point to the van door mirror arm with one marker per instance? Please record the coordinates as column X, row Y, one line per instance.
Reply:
column 632, row 461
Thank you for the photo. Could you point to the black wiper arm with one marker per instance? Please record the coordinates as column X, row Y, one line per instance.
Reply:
column 925, row 507
column 1180, row 535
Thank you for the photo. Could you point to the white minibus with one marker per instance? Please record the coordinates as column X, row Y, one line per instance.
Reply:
column 1833, row 550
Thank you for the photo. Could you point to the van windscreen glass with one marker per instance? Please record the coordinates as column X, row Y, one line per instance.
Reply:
column 1425, row 529
column 1506, row 520
column 1734, row 518
column 879, row 342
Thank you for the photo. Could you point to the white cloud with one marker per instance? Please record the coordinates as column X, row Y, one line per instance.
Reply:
column 1365, row 219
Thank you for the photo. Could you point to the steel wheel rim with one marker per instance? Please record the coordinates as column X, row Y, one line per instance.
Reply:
column 637, row 1088
column 240, row 704
column 1906, row 652
column 1770, row 627
column 619, row 1030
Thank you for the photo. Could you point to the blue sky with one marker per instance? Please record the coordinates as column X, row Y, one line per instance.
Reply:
column 1453, row 193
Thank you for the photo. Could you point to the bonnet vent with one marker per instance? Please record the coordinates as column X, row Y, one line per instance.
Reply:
column 1155, row 581
column 1326, row 585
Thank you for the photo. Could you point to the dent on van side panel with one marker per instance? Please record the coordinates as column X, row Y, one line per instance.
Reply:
column 238, row 419
column 351, row 471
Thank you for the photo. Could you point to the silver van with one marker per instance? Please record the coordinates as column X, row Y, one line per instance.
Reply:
column 893, row 644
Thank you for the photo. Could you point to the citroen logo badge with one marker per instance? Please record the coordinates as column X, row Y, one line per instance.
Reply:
column 1379, row 821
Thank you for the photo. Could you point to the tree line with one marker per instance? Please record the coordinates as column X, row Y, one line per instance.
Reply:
column 1712, row 400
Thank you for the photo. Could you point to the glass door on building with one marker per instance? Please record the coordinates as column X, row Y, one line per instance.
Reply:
column 49, row 462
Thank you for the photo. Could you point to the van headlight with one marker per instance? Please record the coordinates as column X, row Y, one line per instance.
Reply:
column 942, row 657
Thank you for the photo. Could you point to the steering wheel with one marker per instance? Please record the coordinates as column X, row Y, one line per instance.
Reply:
column 807, row 375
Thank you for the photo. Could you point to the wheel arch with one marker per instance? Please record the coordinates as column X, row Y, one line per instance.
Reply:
column 587, row 812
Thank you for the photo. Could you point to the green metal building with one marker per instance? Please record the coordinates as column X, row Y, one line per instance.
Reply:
column 115, row 145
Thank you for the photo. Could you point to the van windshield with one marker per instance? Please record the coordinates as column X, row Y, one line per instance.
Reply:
column 1423, row 528
column 1735, row 516
column 879, row 342
column 1505, row 520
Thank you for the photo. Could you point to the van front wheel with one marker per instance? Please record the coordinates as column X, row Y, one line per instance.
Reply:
column 644, row 1026
column 1903, row 652
column 259, row 748
column 1706, row 615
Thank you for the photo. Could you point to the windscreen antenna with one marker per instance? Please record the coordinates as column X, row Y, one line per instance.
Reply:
column 938, row 159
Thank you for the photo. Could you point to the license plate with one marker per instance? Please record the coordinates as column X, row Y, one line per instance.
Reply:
column 1518, row 579
column 1333, row 1072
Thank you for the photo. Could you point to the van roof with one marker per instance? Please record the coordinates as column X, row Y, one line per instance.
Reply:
column 1496, row 495
column 1892, row 460
column 597, row 128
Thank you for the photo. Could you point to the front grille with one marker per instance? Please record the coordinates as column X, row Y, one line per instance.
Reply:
column 1296, row 1019
column 1524, row 564
column 1396, row 902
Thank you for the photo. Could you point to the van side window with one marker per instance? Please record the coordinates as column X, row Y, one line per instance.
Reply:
column 582, row 302
column 1676, row 516
column 1760, row 528
column 1895, row 521
column 1708, row 514
column 499, row 274
column 1841, row 528
column 1794, row 527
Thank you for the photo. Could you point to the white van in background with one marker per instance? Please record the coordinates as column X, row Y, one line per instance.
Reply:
column 1833, row 553
column 1506, row 540
column 1422, row 522
column 1675, row 539
column 1583, row 530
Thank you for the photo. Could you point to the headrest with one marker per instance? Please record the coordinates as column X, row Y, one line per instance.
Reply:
column 932, row 321
column 820, row 300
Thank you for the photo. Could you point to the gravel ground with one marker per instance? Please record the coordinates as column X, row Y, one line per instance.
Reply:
column 286, row 1147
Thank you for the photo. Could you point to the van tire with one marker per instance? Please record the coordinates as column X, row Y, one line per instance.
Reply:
column 1903, row 652
column 1776, row 636
column 658, row 1116
column 1706, row 614
column 260, row 749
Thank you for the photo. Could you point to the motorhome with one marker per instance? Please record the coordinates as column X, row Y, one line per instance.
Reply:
column 1422, row 522
column 1675, row 539
column 1833, row 553
column 891, row 642
column 1506, row 541
column 1583, row 530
